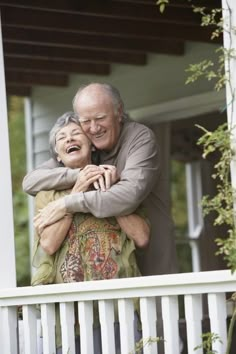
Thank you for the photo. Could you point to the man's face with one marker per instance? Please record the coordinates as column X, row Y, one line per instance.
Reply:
column 98, row 118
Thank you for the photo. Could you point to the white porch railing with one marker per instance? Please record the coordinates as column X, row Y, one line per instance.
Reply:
column 167, row 287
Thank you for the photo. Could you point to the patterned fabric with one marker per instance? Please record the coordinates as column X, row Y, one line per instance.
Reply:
column 91, row 244
column 94, row 249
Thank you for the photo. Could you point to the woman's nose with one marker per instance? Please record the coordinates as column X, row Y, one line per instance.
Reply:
column 69, row 138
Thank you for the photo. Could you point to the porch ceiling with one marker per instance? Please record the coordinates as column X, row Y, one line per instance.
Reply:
column 46, row 41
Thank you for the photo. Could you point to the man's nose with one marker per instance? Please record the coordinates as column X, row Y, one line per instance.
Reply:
column 93, row 126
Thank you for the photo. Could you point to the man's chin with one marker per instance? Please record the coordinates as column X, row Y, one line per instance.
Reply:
column 100, row 145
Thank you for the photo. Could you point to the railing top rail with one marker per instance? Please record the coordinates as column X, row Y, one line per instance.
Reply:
column 158, row 285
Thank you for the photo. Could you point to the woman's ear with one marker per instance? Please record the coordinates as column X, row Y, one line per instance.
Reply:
column 58, row 159
column 93, row 148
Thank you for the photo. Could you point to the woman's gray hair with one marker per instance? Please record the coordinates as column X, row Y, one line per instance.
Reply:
column 65, row 119
column 112, row 91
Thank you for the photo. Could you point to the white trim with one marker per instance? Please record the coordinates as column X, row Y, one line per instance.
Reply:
column 194, row 198
column 30, row 166
column 230, row 68
column 155, row 285
column 181, row 108
column 194, row 210
column 7, row 248
column 28, row 133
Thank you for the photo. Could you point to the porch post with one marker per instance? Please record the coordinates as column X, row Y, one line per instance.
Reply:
column 7, row 247
column 229, row 16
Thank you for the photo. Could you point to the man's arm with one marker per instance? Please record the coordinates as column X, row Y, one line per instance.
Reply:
column 49, row 176
column 141, row 172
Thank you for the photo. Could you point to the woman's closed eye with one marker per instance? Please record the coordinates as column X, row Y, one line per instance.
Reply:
column 76, row 133
column 60, row 137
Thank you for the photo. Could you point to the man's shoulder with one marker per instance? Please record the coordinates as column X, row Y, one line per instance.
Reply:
column 134, row 128
column 130, row 123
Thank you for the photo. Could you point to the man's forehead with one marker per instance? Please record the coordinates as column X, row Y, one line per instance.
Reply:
column 93, row 115
column 94, row 95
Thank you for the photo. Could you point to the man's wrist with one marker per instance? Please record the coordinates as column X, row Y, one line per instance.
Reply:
column 72, row 175
column 75, row 203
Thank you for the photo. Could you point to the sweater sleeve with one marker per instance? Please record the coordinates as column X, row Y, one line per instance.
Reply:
column 137, row 180
column 49, row 176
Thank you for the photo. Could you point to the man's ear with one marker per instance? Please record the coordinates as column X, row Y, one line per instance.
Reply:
column 120, row 113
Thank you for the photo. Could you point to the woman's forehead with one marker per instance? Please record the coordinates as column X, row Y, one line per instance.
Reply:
column 70, row 127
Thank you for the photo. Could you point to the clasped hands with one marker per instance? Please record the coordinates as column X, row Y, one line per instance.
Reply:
column 100, row 177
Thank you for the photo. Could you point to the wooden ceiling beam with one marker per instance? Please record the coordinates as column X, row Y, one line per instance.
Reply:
column 83, row 55
column 25, row 17
column 174, row 12
column 181, row 3
column 18, row 90
column 28, row 78
column 53, row 65
column 101, row 41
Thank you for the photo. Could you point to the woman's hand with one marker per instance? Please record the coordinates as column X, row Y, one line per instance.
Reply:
column 53, row 212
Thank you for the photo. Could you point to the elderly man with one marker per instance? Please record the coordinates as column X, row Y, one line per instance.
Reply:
column 132, row 148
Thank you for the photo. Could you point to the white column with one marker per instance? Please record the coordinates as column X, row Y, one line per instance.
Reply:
column 7, row 248
column 195, row 218
column 229, row 16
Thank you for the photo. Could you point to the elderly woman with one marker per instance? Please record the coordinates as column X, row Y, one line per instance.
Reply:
column 81, row 247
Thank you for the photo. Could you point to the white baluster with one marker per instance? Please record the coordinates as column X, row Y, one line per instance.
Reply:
column 126, row 319
column 8, row 330
column 48, row 326
column 149, row 319
column 193, row 316
column 86, row 327
column 30, row 328
column 170, row 316
column 67, row 319
column 106, row 316
column 217, row 315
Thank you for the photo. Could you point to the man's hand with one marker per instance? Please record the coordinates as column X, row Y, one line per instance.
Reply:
column 53, row 212
column 101, row 177
column 110, row 177
column 87, row 177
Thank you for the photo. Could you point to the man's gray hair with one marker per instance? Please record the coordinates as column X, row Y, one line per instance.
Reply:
column 112, row 91
column 65, row 119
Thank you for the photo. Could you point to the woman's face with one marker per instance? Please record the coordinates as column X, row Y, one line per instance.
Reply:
column 73, row 147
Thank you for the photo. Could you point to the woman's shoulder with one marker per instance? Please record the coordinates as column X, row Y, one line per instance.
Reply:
column 44, row 197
